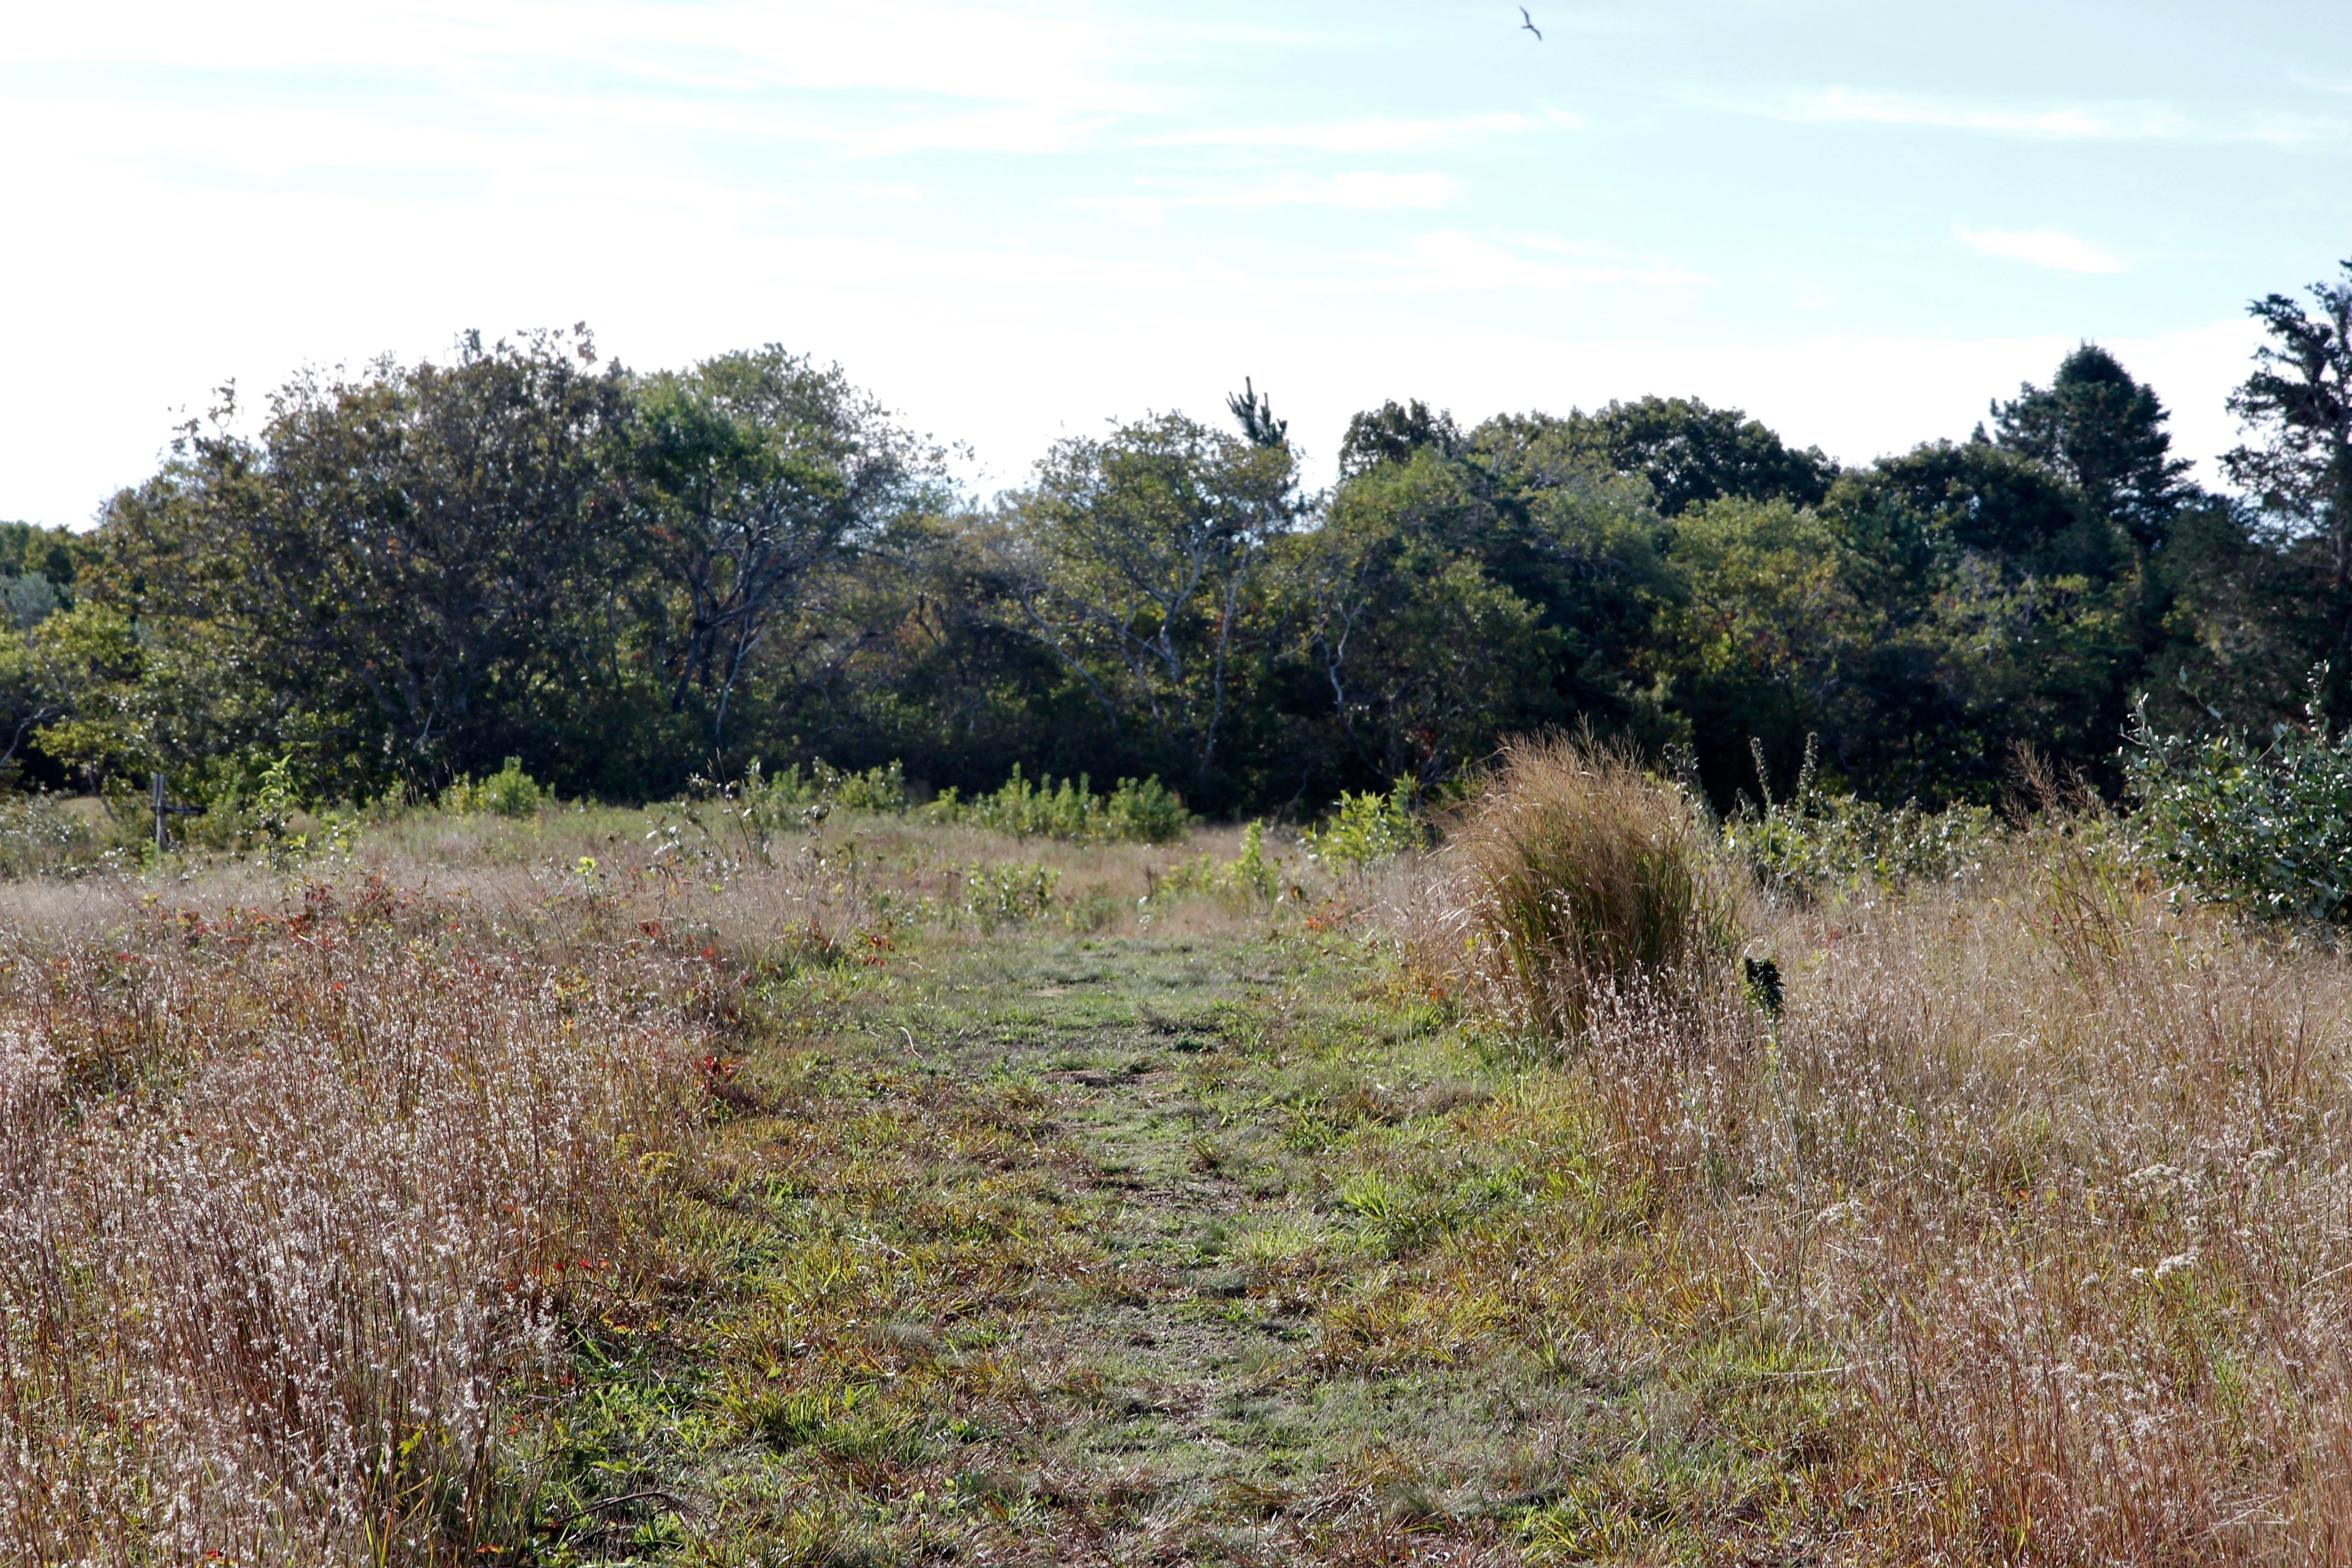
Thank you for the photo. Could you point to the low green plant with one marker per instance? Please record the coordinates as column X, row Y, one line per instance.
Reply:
column 1009, row 894
column 1251, row 872
column 509, row 793
column 2265, row 827
column 38, row 833
column 882, row 789
column 276, row 802
column 1366, row 830
column 1135, row 811
column 1814, row 842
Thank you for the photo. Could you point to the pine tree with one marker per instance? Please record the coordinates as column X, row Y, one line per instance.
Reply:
column 2106, row 431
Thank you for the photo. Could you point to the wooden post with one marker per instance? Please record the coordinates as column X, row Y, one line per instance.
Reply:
column 163, row 836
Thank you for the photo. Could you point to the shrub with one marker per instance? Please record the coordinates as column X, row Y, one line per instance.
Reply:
column 1365, row 830
column 875, row 789
column 1136, row 812
column 1144, row 812
column 509, row 792
column 1575, row 878
column 39, row 833
column 2267, row 828
column 1008, row 895
column 1250, row 871
column 1814, row 843
column 1250, row 879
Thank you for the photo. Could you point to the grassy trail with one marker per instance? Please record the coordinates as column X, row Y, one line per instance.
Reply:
column 1158, row 1251
column 1002, row 1266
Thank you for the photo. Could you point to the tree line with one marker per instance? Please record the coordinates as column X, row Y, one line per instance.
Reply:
column 389, row 579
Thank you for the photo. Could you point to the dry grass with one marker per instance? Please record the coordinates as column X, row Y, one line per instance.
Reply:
column 1152, row 1227
column 2067, row 1181
column 308, row 1179
column 285, row 1198
column 1579, row 885
column 2042, row 1188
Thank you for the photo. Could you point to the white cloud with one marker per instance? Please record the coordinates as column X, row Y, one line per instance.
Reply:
column 2053, row 248
column 1452, row 262
column 2115, row 120
column 1371, row 135
column 1365, row 189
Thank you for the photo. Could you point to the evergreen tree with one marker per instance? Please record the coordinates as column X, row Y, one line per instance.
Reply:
column 2105, row 431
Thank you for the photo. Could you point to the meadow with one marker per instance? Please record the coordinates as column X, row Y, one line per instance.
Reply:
column 595, row 1186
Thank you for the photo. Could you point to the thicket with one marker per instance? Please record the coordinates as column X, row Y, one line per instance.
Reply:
column 391, row 582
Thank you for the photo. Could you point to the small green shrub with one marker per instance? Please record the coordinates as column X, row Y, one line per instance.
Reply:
column 1253, row 876
column 1008, row 895
column 509, row 793
column 40, row 833
column 1135, row 811
column 1250, row 871
column 2267, row 828
column 882, row 789
column 1813, row 843
column 1365, row 830
column 761, row 804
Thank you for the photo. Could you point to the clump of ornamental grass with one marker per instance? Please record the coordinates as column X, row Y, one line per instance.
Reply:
column 1574, row 878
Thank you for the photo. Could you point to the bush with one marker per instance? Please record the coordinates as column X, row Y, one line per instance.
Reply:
column 2266, row 828
column 1577, row 878
column 1366, row 830
column 1145, row 812
column 509, row 792
column 1812, row 842
column 41, row 833
column 1008, row 895
column 875, row 789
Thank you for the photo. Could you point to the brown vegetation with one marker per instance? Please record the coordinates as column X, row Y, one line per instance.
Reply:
column 582, row 1190
column 1578, row 883
column 2041, row 1185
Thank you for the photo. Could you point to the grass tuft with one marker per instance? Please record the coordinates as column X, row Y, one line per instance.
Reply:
column 1577, row 880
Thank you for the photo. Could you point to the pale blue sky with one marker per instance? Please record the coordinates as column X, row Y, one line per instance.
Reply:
column 1860, row 221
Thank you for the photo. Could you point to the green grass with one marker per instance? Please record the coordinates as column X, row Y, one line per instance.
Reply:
column 1222, row 1249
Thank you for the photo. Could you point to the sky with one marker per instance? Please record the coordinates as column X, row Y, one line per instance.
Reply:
column 1013, row 222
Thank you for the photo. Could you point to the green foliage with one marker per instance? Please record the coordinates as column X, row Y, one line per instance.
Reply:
column 1251, row 880
column 1250, row 871
column 1133, row 558
column 882, row 789
column 1001, row 894
column 520, row 551
column 1691, row 453
column 275, row 803
column 1367, row 828
column 509, row 793
column 2266, row 827
column 1144, row 812
column 2105, row 431
column 1817, row 843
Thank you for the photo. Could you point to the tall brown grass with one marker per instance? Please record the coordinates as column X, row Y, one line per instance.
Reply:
column 1577, row 883
column 287, row 1199
column 306, row 1179
column 2051, row 1175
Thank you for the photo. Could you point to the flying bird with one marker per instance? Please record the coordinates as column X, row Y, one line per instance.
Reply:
column 1527, row 25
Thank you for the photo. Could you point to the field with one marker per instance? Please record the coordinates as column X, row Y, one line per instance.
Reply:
column 600, row 1188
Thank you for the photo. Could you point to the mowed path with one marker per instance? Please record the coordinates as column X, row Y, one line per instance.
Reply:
column 1129, row 1251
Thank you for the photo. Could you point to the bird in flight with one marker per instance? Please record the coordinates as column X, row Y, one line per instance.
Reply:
column 1527, row 25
